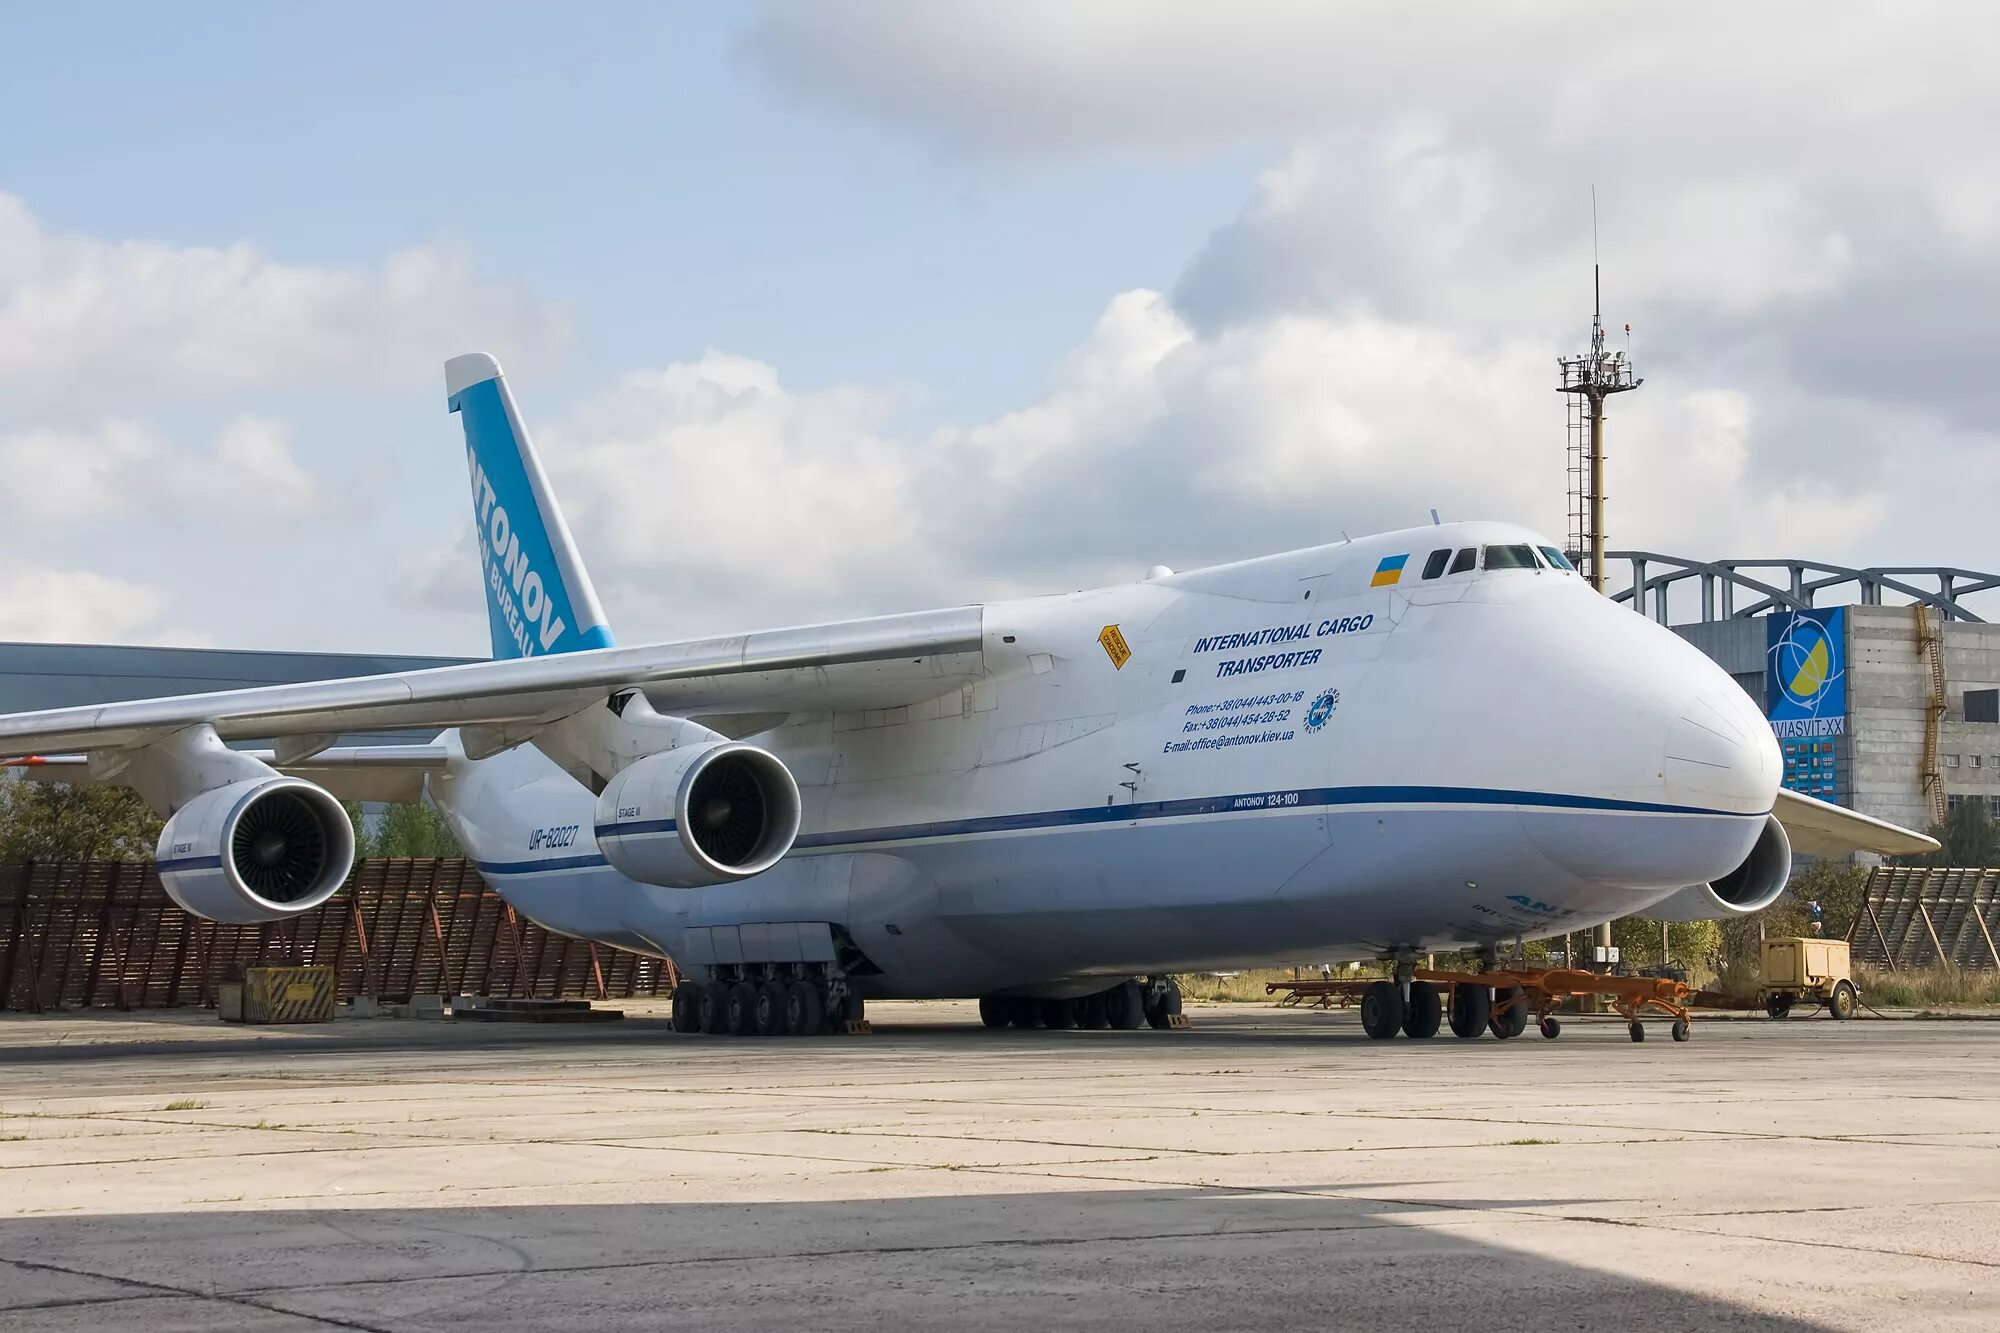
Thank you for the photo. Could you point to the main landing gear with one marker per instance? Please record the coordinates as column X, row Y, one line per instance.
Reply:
column 776, row 1000
column 1154, row 1002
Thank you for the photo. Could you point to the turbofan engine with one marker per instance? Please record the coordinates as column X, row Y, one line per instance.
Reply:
column 1751, row 887
column 258, row 850
column 701, row 814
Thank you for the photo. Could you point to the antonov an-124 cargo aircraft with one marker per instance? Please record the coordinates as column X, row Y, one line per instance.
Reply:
column 1423, row 740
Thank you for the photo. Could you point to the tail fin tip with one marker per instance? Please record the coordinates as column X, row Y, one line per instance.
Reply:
column 462, row 372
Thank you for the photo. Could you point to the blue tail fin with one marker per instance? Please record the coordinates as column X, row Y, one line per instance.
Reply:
column 538, row 596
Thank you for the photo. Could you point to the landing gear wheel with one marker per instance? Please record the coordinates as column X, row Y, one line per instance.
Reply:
column 714, row 1010
column 1637, row 1029
column 1551, row 1028
column 1778, row 1004
column 1057, row 1015
column 768, row 1013
column 1423, row 1011
column 1845, row 1001
column 993, row 1011
column 805, row 1010
column 1471, row 1009
column 1681, row 1030
column 687, row 1007
column 1509, row 1015
column 1161, row 1008
column 1091, row 1013
column 1024, row 1014
column 741, row 1010
column 1125, row 1006
column 1381, row 1009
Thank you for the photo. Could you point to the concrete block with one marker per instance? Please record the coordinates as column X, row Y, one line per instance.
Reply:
column 364, row 1006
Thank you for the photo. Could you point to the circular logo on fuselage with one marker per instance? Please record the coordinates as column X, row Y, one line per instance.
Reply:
column 1321, row 709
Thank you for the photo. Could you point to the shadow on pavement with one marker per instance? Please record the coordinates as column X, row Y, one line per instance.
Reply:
column 1180, row 1258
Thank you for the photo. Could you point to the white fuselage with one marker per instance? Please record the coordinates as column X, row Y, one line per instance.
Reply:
column 1294, row 764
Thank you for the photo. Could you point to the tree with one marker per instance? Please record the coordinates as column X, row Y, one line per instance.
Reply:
column 402, row 829
column 1970, row 837
column 48, row 821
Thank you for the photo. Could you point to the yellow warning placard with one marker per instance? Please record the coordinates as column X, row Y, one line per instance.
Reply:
column 1114, row 646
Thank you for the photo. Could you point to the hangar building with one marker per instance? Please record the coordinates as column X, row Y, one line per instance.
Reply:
column 1892, row 710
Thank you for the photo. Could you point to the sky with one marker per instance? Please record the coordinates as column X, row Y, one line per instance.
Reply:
column 841, row 309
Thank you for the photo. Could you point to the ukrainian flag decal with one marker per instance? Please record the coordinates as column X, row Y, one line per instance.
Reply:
column 1390, row 571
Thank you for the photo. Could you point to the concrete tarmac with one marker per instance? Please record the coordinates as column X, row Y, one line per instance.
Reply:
column 1270, row 1169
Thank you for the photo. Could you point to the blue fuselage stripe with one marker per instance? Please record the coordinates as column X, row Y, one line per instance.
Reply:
column 1248, row 803
column 189, row 863
column 634, row 827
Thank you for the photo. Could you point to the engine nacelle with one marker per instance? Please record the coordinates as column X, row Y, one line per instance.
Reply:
column 701, row 814
column 1751, row 887
column 258, row 850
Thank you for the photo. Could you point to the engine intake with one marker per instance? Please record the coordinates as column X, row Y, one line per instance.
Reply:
column 1751, row 887
column 255, row 851
column 701, row 814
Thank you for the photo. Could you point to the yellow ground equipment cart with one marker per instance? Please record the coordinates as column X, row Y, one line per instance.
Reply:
column 1813, row 970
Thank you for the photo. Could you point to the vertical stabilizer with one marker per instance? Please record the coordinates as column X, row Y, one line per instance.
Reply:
column 538, row 595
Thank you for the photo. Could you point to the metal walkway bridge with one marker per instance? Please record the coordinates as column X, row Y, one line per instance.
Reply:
column 1738, row 589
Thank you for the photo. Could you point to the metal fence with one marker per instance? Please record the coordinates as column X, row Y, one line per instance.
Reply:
column 1924, row 916
column 104, row 933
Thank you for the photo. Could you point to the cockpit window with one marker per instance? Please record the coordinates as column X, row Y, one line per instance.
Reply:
column 1435, row 565
column 1464, row 560
column 1556, row 559
column 1510, row 557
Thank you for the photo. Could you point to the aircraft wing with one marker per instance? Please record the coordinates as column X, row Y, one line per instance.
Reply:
column 1818, row 828
column 393, row 773
column 878, row 663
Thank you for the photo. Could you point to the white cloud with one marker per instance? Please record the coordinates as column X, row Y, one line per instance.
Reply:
column 253, row 472
column 1665, row 85
column 61, row 477
column 83, row 319
column 77, row 606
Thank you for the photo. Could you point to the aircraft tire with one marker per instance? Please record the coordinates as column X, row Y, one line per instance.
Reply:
column 805, row 1010
column 769, row 1010
column 1091, row 1013
column 715, row 1008
column 1057, row 1015
column 1471, row 1009
column 1382, row 1010
column 742, row 1010
column 1161, row 1009
column 1423, row 1011
column 1023, row 1013
column 1125, row 1006
column 1513, row 1020
column 993, row 1011
column 687, row 1007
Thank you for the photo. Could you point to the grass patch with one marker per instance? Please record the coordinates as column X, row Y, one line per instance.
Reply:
column 1929, row 988
column 185, row 1104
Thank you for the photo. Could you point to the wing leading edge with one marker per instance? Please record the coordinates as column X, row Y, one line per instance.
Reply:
column 879, row 663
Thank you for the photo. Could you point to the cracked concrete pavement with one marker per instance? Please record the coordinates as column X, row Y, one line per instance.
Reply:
column 1269, row 1168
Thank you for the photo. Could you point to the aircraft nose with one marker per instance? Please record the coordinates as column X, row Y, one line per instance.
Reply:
column 1720, row 753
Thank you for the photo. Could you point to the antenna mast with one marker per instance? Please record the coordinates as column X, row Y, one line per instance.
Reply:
column 1589, row 379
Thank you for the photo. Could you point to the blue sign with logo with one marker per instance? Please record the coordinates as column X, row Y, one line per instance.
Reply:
column 1805, row 673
